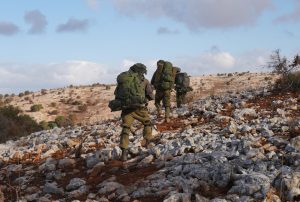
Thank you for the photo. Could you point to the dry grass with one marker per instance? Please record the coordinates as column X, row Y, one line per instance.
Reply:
column 66, row 101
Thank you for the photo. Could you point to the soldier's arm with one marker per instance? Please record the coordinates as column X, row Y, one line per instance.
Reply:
column 153, row 78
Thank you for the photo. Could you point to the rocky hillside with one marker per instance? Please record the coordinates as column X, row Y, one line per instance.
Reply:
column 235, row 147
column 88, row 104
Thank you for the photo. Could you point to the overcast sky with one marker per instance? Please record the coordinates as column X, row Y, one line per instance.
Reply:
column 55, row 43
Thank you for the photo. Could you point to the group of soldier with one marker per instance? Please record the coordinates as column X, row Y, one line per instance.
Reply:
column 134, row 91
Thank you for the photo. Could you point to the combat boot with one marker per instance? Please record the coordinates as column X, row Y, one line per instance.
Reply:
column 124, row 154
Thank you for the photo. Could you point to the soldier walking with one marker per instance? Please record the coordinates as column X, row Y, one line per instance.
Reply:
column 131, row 96
column 163, row 82
column 182, row 87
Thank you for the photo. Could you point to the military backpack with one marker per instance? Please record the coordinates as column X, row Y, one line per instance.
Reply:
column 164, row 76
column 182, row 81
column 130, row 92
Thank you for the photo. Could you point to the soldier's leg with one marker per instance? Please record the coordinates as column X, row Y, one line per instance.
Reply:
column 183, row 98
column 167, row 104
column 142, row 115
column 127, row 121
column 158, row 99
column 178, row 100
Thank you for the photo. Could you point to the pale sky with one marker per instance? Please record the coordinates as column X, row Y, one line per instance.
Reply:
column 55, row 43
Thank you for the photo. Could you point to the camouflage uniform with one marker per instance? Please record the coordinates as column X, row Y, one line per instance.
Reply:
column 165, row 97
column 181, row 90
column 141, row 114
column 161, row 95
column 180, row 98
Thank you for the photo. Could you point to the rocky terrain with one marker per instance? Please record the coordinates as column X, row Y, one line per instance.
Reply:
column 239, row 146
column 88, row 104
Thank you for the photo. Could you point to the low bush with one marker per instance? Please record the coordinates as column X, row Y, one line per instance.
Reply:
column 44, row 125
column 62, row 121
column 13, row 124
column 52, row 124
column 44, row 91
column 288, row 71
column 289, row 81
column 26, row 92
column 36, row 107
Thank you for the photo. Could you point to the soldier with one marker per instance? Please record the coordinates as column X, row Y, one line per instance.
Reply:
column 132, row 95
column 163, row 82
column 182, row 86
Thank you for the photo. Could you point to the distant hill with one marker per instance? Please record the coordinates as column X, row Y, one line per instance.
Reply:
column 89, row 104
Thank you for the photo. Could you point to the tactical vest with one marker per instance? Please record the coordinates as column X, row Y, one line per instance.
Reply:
column 182, row 81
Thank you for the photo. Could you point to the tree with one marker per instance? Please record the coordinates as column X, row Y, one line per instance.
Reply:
column 288, row 71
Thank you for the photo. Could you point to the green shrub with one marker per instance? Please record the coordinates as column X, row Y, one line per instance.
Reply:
column 62, row 121
column 44, row 125
column 289, row 81
column 14, row 125
column 52, row 124
column 21, row 94
column 36, row 107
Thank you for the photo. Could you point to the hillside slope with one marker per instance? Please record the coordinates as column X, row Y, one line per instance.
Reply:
column 88, row 104
column 235, row 147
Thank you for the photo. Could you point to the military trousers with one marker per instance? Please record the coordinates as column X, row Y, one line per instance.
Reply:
column 128, row 117
column 165, row 97
column 180, row 98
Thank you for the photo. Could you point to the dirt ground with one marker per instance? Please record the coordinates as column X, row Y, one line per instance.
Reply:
column 89, row 104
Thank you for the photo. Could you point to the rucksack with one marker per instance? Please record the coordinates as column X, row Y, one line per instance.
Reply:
column 164, row 76
column 182, row 81
column 130, row 92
